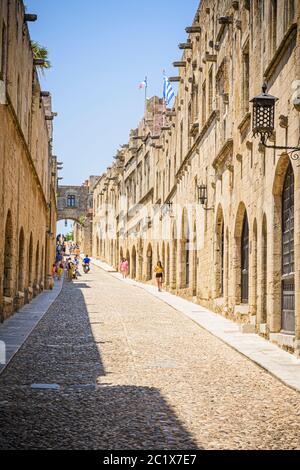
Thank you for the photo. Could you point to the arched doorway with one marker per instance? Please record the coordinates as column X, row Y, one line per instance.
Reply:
column 129, row 261
column 245, row 261
column 254, row 270
column 226, row 266
column 163, row 258
column 288, row 270
column 195, row 260
column 30, row 261
column 264, row 258
column 167, row 267
column 97, row 247
column 37, row 264
column 241, row 256
column 149, row 263
column 185, row 251
column 42, row 268
column 219, row 254
column 187, row 258
column 8, row 258
column 133, row 263
column 173, row 264
column 21, row 261
column 112, row 253
column 140, row 260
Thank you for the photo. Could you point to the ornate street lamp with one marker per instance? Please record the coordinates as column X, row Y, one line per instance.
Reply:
column 202, row 194
column 263, row 120
column 166, row 209
column 170, row 208
column 202, row 197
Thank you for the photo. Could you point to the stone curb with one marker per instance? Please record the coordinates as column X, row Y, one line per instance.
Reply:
column 280, row 364
column 15, row 331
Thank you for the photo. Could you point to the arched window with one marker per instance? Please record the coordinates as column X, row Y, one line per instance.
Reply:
column 288, row 285
column 187, row 258
column 245, row 261
column 8, row 258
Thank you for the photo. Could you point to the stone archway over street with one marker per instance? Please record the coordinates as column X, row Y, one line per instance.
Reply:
column 76, row 203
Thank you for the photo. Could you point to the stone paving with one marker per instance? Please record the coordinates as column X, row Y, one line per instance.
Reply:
column 16, row 329
column 111, row 367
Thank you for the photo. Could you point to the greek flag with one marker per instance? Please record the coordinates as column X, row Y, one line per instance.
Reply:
column 168, row 92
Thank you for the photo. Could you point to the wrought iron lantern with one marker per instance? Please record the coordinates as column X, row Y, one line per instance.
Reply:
column 263, row 120
column 166, row 209
column 263, row 114
column 202, row 197
column 202, row 194
column 170, row 208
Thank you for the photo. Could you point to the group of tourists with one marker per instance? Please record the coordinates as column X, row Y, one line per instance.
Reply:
column 74, row 249
column 71, row 265
column 67, row 258
column 158, row 271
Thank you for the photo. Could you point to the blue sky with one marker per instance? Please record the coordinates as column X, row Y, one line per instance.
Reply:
column 100, row 51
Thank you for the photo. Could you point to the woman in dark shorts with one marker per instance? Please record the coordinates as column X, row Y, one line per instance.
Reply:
column 159, row 273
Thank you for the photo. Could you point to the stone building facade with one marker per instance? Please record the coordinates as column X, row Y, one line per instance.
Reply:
column 27, row 167
column 239, row 252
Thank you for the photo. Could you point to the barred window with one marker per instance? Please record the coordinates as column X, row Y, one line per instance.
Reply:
column 71, row 201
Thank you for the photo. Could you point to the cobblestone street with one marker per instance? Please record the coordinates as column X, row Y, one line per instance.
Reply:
column 133, row 373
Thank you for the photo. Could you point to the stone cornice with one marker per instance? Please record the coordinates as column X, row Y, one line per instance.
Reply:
column 244, row 122
column 147, row 196
column 223, row 153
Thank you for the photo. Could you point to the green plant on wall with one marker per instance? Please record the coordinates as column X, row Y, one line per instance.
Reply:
column 82, row 220
column 41, row 53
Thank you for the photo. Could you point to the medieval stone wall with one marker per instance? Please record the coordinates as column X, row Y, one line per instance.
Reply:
column 27, row 175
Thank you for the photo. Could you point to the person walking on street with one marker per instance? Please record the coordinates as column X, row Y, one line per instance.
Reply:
column 77, row 251
column 54, row 271
column 71, row 268
column 124, row 267
column 76, row 262
column 60, row 270
column 159, row 273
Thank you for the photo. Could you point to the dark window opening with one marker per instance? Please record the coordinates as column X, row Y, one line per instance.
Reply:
column 71, row 202
column 245, row 262
column 288, row 280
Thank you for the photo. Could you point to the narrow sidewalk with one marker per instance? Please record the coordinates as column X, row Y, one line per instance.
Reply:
column 279, row 363
column 16, row 329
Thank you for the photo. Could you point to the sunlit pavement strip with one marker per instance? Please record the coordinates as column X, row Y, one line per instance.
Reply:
column 16, row 329
column 277, row 362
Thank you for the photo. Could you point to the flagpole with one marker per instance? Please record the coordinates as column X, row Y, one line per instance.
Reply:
column 164, row 101
column 146, row 89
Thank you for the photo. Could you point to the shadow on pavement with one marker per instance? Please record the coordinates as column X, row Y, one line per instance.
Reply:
column 81, row 414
